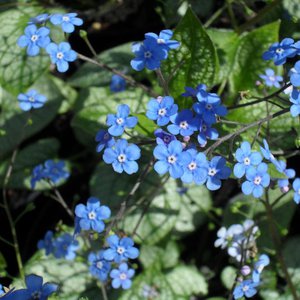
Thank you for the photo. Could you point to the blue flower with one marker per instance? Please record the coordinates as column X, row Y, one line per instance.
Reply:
column 120, row 249
column 257, row 179
column 194, row 170
column 191, row 92
column 161, row 110
column 279, row 52
column 216, row 170
column 246, row 288
column 92, row 214
column 123, row 157
column 55, row 171
column 1, row 290
column 35, row 289
column 65, row 247
column 117, row 84
column 120, row 121
column 34, row 39
column 289, row 173
column 37, row 175
column 184, row 123
column 61, row 55
column 205, row 132
column 245, row 159
column 170, row 158
column 104, row 139
column 31, row 100
column 262, row 262
column 164, row 39
column 296, row 187
column 67, row 21
column 40, row 19
column 46, row 243
column 267, row 154
column 122, row 277
column 163, row 137
column 294, row 74
column 271, row 79
column 295, row 100
column 148, row 54
column 99, row 267
column 208, row 106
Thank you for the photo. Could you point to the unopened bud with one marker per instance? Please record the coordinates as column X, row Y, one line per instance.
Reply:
column 159, row 99
column 186, row 139
column 83, row 34
column 245, row 270
column 284, row 189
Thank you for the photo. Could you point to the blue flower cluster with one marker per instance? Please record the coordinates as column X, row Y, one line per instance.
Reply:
column 153, row 50
column 238, row 239
column 51, row 170
column 250, row 279
column 279, row 53
column 36, row 37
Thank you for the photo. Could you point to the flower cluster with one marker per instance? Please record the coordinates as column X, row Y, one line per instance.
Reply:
column 238, row 239
column 51, row 171
column 37, row 36
column 153, row 50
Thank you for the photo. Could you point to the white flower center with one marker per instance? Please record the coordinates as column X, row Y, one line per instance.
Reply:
column 121, row 158
column 34, row 38
column 31, row 99
column 120, row 121
column 247, row 161
column 147, row 54
column 212, row 171
column 171, row 159
column 120, row 250
column 59, row 55
column 99, row 264
column 279, row 50
column 272, row 78
column 123, row 276
column 66, row 18
column 257, row 180
column 192, row 166
column 160, row 41
column 184, row 125
column 162, row 112
column 92, row 215
column 245, row 288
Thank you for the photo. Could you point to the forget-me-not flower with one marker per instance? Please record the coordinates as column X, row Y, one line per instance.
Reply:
column 163, row 137
column 67, row 21
column 47, row 243
column 271, row 79
column 121, row 277
column 32, row 99
column 164, row 39
column 246, row 288
column 104, row 139
column 296, row 187
column 294, row 74
column 99, row 267
column 39, row 19
column 295, row 100
column 65, row 247
column 117, row 84
column 262, row 262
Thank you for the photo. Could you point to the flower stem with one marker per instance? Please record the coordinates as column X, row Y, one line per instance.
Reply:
column 162, row 81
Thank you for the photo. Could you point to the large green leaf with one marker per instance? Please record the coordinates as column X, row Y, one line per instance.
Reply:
column 196, row 57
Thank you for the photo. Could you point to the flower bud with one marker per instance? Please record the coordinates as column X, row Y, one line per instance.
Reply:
column 245, row 270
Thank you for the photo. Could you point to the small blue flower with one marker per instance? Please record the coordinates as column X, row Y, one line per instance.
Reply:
column 67, row 21
column 267, row 154
column 123, row 157
column 35, row 289
column 209, row 106
column 117, row 84
column 257, row 179
column 37, row 175
column 262, row 262
column 122, row 277
column 120, row 249
column 65, row 247
column 55, row 171
column 104, row 139
column 61, row 55
column 194, row 170
column 279, row 52
column 245, row 159
column 205, row 132
column 216, row 170
column 120, row 121
column 170, row 158
column 184, row 123
column 296, row 187
column 295, row 100
column 164, row 39
column 161, row 110
column 289, row 173
column 148, row 54
column 1, row 290
column 271, row 79
column 40, row 19
column 246, row 288
column 163, row 137
column 34, row 39
column 99, row 267
column 32, row 99
column 191, row 92
column 46, row 243
column 92, row 214
column 294, row 74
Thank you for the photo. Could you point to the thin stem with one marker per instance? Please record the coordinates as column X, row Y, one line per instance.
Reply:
column 9, row 216
column 277, row 244
column 231, row 15
column 6, row 241
column 129, row 79
column 215, row 16
column 162, row 81
column 103, row 291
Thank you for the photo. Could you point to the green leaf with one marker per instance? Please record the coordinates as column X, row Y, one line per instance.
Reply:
column 89, row 75
column 228, row 276
column 196, row 57
column 145, row 126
